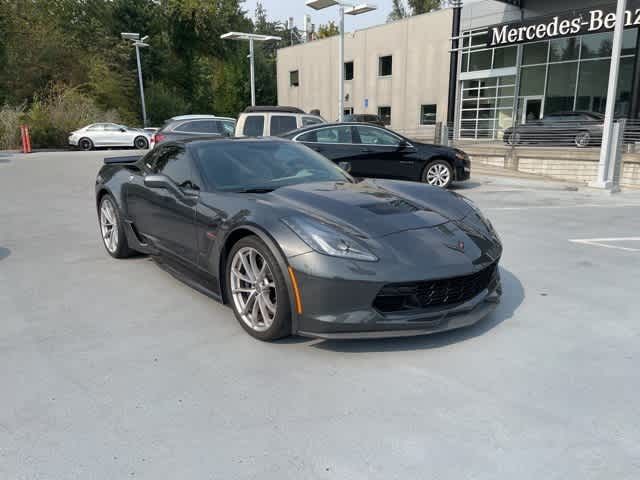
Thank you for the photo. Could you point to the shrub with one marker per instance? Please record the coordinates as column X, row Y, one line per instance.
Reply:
column 60, row 111
column 10, row 120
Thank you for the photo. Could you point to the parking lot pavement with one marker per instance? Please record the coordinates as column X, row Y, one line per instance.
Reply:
column 114, row 369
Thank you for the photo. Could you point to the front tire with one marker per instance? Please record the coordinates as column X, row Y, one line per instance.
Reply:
column 141, row 143
column 112, row 228
column 257, row 291
column 85, row 144
column 438, row 173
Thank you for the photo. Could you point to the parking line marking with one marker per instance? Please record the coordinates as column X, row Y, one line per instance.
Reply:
column 587, row 205
column 599, row 242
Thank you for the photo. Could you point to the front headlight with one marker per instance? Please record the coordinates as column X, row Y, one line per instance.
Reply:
column 328, row 239
column 480, row 215
column 460, row 155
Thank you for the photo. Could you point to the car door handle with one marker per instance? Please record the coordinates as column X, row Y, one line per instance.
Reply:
column 366, row 150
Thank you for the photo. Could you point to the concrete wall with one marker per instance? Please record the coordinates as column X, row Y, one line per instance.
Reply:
column 570, row 164
column 420, row 49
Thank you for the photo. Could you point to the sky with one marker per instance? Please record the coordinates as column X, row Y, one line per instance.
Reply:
column 283, row 9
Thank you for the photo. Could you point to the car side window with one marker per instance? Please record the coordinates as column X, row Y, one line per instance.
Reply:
column 227, row 127
column 98, row 127
column 328, row 135
column 282, row 124
column 253, row 126
column 306, row 121
column 112, row 127
column 376, row 136
column 174, row 163
column 198, row 126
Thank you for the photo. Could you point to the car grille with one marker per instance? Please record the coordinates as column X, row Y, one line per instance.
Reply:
column 433, row 293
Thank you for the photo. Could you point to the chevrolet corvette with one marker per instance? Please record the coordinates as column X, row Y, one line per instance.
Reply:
column 294, row 245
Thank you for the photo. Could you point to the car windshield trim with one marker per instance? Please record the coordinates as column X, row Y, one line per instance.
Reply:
column 235, row 166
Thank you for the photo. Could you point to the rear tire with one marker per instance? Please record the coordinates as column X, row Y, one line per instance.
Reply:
column 513, row 139
column 85, row 144
column 112, row 228
column 141, row 143
column 438, row 173
column 582, row 139
column 257, row 291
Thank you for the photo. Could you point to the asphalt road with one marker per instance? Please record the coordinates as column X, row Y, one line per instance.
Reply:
column 114, row 369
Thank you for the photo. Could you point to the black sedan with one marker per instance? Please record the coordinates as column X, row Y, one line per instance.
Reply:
column 581, row 129
column 295, row 246
column 375, row 152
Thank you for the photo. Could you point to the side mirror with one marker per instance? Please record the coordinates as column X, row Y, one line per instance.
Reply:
column 158, row 181
column 346, row 166
column 123, row 129
column 403, row 145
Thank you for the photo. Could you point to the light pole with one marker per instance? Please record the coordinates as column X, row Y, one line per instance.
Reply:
column 139, row 42
column 251, row 37
column 352, row 9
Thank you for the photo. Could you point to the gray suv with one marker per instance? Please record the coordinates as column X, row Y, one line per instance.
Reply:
column 188, row 126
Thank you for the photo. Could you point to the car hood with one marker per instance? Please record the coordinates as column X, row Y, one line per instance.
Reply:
column 374, row 208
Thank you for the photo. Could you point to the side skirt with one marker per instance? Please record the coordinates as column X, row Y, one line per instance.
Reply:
column 187, row 276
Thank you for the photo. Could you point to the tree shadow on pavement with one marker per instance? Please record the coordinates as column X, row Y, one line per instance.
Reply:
column 512, row 297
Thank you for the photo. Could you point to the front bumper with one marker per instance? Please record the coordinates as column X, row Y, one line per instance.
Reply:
column 335, row 308
column 73, row 141
column 463, row 169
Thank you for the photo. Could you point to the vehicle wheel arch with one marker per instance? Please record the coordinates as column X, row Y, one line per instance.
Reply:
column 234, row 236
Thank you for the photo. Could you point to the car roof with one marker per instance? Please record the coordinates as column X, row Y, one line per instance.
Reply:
column 222, row 140
column 197, row 117
column 267, row 109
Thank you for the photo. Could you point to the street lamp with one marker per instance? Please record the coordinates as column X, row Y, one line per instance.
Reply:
column 352, row 9
column 138, row 42
column 251, row 37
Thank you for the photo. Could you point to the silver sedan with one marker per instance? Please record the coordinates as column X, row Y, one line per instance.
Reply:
column 110, row 135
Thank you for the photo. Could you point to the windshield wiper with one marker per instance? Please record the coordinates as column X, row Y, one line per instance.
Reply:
column 256, row 190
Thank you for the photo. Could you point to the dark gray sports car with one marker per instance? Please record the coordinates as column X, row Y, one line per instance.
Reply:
column 295, row 246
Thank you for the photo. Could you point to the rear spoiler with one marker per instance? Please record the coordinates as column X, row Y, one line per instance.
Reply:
column 118, row 160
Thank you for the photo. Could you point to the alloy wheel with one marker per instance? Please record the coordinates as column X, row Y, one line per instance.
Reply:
column 85, row 144
column 582, row 139
column 514, row 139
column 253, row 289
column 438, row 175
column 109, row 225
column 141, row 143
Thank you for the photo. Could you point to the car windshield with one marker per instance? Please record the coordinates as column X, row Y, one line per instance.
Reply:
column 261, row 166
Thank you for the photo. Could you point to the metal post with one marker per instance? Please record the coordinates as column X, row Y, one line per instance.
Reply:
column 341, row 68
column 453, row 63
column 253, row 78
column 144, row 107
column 607, row 149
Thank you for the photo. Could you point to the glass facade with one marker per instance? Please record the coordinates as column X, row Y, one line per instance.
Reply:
column 563, row 74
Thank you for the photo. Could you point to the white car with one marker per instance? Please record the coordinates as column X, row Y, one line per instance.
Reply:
column 273, row 121
column 110, row 135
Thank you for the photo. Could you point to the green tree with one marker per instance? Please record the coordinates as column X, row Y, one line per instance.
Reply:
column 423, row 6
column 328, row 30
column 398, row 11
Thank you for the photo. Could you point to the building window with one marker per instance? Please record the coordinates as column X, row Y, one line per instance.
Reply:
column 348, row 111
column 385, row 66
column 348, row 70
column 428, row 114
column 294, row 80
column 385, row 115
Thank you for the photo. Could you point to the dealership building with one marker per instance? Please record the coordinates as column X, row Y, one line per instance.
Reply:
column 518, row 60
